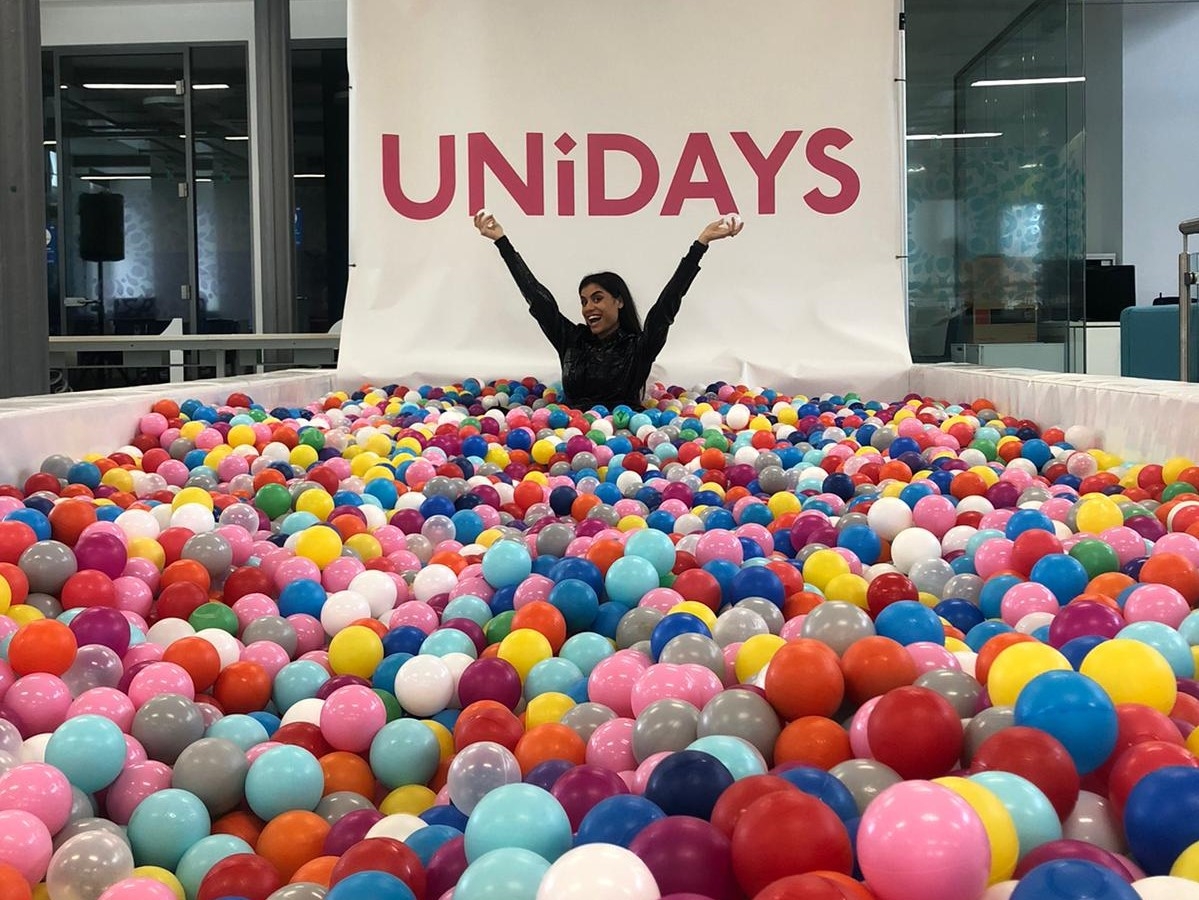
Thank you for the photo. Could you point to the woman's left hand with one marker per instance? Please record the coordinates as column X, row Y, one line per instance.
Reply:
column 726, row 226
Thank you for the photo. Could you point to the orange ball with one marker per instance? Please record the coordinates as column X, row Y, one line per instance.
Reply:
column 604, row 553
column 346, row 771
column 198, row 658
column 1186, row 708
column 544, row 618
column 805, row 679
column 318, row 871
column 874, row 665
column 487, row 720
column 69, row 518
column 528, row 493
column 244, row 825
column 813, row 741
column 992, row 648
column 552, row 740
column 1173, row 570
column 13, row 885
column 243, row 687
column 1110, row 584
column 185, row 570
column 292, row 839
column 45, row 645
column 800, row 604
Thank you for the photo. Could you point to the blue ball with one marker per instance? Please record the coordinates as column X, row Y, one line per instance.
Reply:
column 245, row 731
column 203, row 855
column 961, row 614
column 758, row 581
column 688, row 783
column 283, row 779
column 608, row 618
column 577, row 602
column 167, row 824
column 302, row 596
column 1062, row 574
column 862, row 542
column 296, row 681
column 1076, row 650
column 518, row 815
column 1075, row 710
column 617, row 820
column 1023, row 520
column 990, row 598
column 825, row 787
column 653, row 546
column 447, row 815
column 508, row 873
column 35, row 519
column 507, row 564
column 670, row 627
column 984, row 631
column 376, row 885
column 910, row 622
column 629, row 579
column 1073, row 879
column 89, row 750
column 582, row 569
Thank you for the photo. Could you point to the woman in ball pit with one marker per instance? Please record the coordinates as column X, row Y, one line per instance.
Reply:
column 606, row 359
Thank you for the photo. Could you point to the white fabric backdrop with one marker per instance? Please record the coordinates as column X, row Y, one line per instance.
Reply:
column 808, row 298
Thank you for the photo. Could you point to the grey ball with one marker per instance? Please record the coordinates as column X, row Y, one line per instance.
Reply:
column 300, row 890
column 585, row 718
column 738, row 625
column 665, row 725
column 45, row 604
column 697, row 649
column 743, row 714
column 771, row 614
column 636, row 625
column 334, row 807
column 554, row 539
column 963, row 587
column 47, row 565
column 213, row 769
column 961, row 690
column 865, row 778
column 988, row 722
column 166, row 725
column 838, row 625
column 275, row 629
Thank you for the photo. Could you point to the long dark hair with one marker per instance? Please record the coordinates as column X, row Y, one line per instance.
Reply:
column 628, row 319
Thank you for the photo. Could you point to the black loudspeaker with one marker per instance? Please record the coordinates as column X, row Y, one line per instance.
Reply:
column 102, row 227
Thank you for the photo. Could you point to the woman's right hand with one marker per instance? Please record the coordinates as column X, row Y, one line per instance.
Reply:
column 488, row 226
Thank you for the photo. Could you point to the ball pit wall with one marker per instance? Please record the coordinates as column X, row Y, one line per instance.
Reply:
column 1135, row 418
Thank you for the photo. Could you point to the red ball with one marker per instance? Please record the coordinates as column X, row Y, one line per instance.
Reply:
column 18, row 581
column 697, row 584
column 243, row 687
column 247, row 580
column 788, row 833
column 382, row 855
column 241, row 875
column 172, row 540
column 45, row 645
column 888, row 588
column 1035, row 755
column 305, row 735
column 1030, row 546
column 805, row 679
column 742, row 795
column 88, row 588
column 178, row 601
column 916, row 732
column 1137, row 762
column 15, row 538
column 486, row 720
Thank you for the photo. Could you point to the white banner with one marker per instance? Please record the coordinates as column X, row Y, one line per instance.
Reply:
column 604, row 136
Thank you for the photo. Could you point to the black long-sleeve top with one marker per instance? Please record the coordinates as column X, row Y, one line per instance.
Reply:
column 614, row 370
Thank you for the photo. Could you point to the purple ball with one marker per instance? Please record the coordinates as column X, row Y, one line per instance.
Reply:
column 446, row 867
column 580, row 788
column 102, row 552
column 339, row 681
column 1069, row 849
column 688, row 855
column 104, row 626
column 545, row 775
column 349, row 830
column 490, row 679
column 1087, row 617
column 471, row 629
column 1147, row 527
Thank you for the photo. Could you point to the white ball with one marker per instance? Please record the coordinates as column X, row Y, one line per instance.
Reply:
column 956, row 538
column 227, row 647
column 889, row 516
column 1034, row 620
column 195, row 517
column 598, row 870
column 688, row 523
column 913, row 545
column 342, row 608
column 433, row 580
column 411, row 500
column 424, row 686
column 165, row 632
column 972, row 457
column 378, row 588
column 976, row 504
column 162, row 514
column 738, row 417
column 1081, row 437
column 33, row 750
column 398, row 827
column 306, row 710
column 1001, row 891
column 456, row 663
column 138, row 523
column 1166, row 887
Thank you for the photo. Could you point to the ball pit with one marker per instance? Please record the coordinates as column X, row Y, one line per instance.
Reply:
column 464, row 641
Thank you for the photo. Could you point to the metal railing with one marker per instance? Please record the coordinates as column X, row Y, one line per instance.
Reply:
column 1187, row 278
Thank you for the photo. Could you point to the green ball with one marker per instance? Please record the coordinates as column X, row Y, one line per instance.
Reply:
column 313, row 437
column 499, row 627
column 214, row 615
column 986, row 448
column 1096, row 557
column 273, row 499
column 1177, row 488
column 390, row 704
column 688, row 434
column 258, row 415
column 714, row 440
column 597, row 437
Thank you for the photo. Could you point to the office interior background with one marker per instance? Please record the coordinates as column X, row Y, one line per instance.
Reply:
column 1047, row 147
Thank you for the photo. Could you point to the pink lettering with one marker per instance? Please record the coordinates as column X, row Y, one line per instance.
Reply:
column 566, row 176
column 394, row 191
column 766, row 168
column 598, row 201
column 482, row 154
column 838, row 170
column 714, row 187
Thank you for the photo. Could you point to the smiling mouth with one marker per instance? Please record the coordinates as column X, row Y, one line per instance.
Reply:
column 593, row 320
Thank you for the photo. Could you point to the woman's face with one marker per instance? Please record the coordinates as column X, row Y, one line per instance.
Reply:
column 601, row 311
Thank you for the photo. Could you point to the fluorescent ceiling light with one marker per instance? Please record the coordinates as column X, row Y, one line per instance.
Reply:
column 49, row 143
column 1031, row 166
column 912, row 170
column 311, row 175
column 1015, row 82
column 237, row 137
column 115, row 177
column 955, row 137
column 147, row 86
column 203, row 181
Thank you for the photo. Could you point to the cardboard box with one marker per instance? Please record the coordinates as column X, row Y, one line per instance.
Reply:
column 1001, row 293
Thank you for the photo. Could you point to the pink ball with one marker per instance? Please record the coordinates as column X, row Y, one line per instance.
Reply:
column 719, row 544
column 1179, row 542
column 134, row 751
column 240, row 542
column 160, row 678
column 611, row 745
column 339, row 573
column 704, row 684
column 416, row 613
column 25, row 844
column 660, row 681
column 133, row 595
column 993, row 556
column 533, row 588
column 661, row 599
column 612, row 680
column 40, row 790
column 254, row 606
column 579, row 547
column 996, row 519
column 295, row 569
column 1156, row 603
column 138, row 889
column 39, row 701
column 858, row 742
column 918, row 839
column 855, row 564
column 104, row 701
column 645, row 770
column 267, row 654
column 146, row 652
column 135, row 784
column 310, row 634
column 152, row 424
column 174, row 472
column 792, row 628
column 1127, row 543
column 144, row 571
column 1027, row 597
column 258, row 749
column 351, row 717
column 929, row 656
column 934, row 513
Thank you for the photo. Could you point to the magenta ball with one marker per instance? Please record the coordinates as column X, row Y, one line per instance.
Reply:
column 1084, row 619
column 103, row 552
column 101, row 625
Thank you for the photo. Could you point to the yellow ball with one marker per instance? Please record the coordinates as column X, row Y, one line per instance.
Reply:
column 445, row 738
column 1017, row 665
column 379, row 443
column 847, row 588
column 755, row 654
column 697, row 609
column 956, row 645
column 1175, row 467
column 148, row 548
column 929, row 600
column 192, row 495
column 367, row 546
column 316, row 501
column 547, row 708
column 412, row 799
column 1132, row 672
column 497, row 455
column 537, row 478
column 525, row 648
column 823, row 566
column 986, row 473
column 630, row 523
column 782, row 503
column 1001, row 830
column 162, row 876
column 543, row 450
column 1098, row 514
column 379, row 471
column 23, row 614
column 303, row 455
column 118, row 480
column 363, row 463
column 191, row 430
column 5, row 595
column 788, row 415
column 355, row 650
column 241, row 436
column 320, row 544
column 487, row 537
